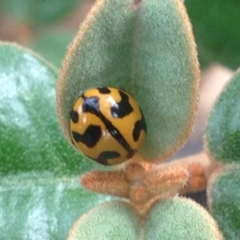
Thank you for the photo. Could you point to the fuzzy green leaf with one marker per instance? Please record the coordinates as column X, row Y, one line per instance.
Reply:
column 113, row 220
column 224, row 201
column 41, row 206
column 146, row 48
column 181, row 219
column 30, row 138
column 177, row 218
column 223, row 129
column 38, row 12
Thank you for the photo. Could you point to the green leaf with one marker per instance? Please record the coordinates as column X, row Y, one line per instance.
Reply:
column 224, row 201
column 38, row 12
column 215, row 29
column 177, row 218
column 181, row 219
column 38, row 198
column 113, row 220
column 223, row 129
column 30, row 138
column 147, row 48
column 40, row 206
column 52, row 46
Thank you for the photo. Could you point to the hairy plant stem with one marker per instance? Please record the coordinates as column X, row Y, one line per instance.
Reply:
column 142, row 183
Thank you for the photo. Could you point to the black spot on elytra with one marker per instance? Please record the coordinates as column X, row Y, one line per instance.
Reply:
column 91, row 104
column 122, row 108
column 131, row 153
column 104, row 90
column 105, row 156
column 138, row 127
column 74, row 116
column 90, row 137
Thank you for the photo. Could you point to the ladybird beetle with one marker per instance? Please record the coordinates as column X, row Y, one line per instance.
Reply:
column 107, row 125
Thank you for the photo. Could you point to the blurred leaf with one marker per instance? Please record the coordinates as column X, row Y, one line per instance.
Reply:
column 113, row 220
column 224, row 199
column 41, row 206
column 38, row 12
column 223, row 129
column 53, row 46
column 216, row 31
column 146, row 49
column 181, row 219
